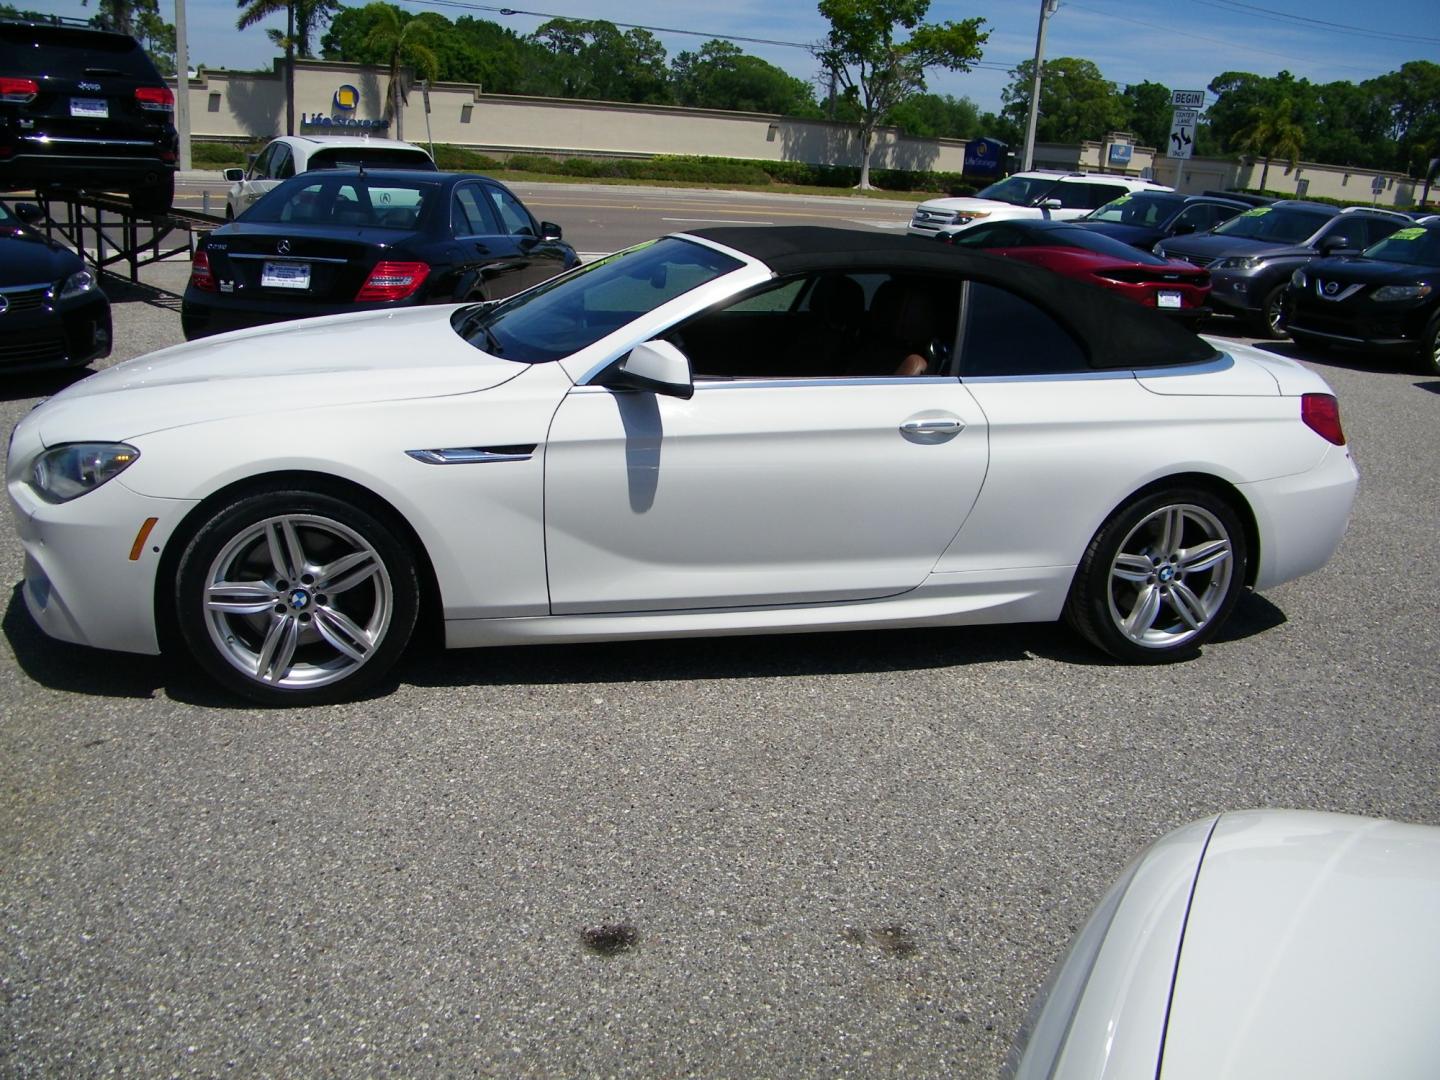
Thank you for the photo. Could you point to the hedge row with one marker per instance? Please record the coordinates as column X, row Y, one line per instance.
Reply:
column 1325, row 199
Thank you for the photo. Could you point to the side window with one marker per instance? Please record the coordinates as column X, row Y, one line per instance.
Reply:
column 1005, row 334
column 1198, row 218
column 260, row 167
column 470, row 214
column 995, row 235
column 514, row 219
column 283, row 165
column 1082, row 196
column 828, row 326
column 1378, row 229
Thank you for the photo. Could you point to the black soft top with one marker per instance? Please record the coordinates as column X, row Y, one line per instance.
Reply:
column 1118, row 333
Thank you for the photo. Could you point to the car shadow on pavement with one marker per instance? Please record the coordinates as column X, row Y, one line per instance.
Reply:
column 121, row 290
column 78, row 669
column 1348, row 359
column 730, row 657
column 1433, row 386
column 41, row 384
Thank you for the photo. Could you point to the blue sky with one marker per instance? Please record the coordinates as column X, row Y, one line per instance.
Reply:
column 1181, row 44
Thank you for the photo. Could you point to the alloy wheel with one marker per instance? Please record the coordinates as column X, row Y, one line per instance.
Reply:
column 1170, row 576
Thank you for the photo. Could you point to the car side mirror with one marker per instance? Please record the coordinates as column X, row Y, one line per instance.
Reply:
column 1050, row 204
column 233, row 176
column 1334, row 242
column 656, row 366
column 549, row 231
column 29, row 212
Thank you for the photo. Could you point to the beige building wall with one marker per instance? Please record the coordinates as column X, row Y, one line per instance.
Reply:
column 251, row 105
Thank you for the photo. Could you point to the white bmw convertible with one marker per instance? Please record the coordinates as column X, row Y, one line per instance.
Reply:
column 726, row 431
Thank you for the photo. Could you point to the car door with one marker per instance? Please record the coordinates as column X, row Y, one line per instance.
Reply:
column 499, row 251
column 757, row 491
column 270, row 168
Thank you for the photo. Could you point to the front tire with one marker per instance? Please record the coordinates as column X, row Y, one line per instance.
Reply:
column 1160, row 577
column 1430, row 348
column 292, row 597
column 1271, row 321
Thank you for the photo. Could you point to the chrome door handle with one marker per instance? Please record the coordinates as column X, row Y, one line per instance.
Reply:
column 932, row 429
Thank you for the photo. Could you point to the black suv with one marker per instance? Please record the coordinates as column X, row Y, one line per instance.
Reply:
column 84, row 108
column 1145, row 218
column 1251, row 256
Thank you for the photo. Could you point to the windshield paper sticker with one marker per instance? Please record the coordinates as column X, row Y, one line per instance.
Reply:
column 1408, row 234
column 1259, row 211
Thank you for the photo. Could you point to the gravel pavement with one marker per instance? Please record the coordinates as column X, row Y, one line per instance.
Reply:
column 828, row 855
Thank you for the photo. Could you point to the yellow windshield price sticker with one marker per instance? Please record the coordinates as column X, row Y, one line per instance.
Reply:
column 1259, row 211
column 1121, row 201
column 1408, row 234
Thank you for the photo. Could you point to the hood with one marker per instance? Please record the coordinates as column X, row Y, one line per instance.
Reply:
column 969, row 204
column 1357, row 268
column 336, row 360
column 1216, row 246
column 27, row 258
column 1309, row 951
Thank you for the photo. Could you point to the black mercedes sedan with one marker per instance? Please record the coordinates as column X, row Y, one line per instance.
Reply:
column 328, row 242
column 52, row 312
column 1386, row 299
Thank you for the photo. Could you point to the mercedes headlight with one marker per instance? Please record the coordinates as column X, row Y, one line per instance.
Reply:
column 1241, row 262
column 82, row 281
column 1390, row 293
column 69, row 471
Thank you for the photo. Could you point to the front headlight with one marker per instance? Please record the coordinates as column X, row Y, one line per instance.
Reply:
column 66, row 472
column 1241, row 262
column 1388, row 293
column 82, row 281
column 1297, row 279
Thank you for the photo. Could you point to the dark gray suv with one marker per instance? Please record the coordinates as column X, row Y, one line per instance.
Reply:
column 1251, row 256
column 82, row 108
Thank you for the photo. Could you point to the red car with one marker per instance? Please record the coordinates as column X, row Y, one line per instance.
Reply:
column 1170, row 285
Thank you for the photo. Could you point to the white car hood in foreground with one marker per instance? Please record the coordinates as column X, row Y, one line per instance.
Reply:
column 337, row 360
column 1312, row 949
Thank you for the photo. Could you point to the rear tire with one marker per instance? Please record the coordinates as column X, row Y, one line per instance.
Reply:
column 1160, row 577
column 1430, row 347
column 292, row 597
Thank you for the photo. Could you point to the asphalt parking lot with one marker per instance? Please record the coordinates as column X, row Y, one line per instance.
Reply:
column 836, row 854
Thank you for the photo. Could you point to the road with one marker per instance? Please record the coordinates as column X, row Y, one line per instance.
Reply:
column 836, row 854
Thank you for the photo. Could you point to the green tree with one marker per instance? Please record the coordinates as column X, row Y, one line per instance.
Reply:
column 878, row 71
column 1272, row 131
column 592, row 59
column 936, row 116
column 404, row 41
column 1077, row 102
column 721, row 76
column 1148, row 113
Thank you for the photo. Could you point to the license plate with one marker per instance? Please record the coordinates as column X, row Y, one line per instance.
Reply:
column 96, row 108
column 1166, row 298
column 285, row 275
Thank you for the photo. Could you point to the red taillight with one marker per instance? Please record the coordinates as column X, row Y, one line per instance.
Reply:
column 1321, row 413
column 393, row 280
column 200, row 275
column 155, row 98
column 18, row 90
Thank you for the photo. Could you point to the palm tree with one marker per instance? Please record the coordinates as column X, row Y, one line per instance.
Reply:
column 302, row 20
column 403, row 43
column 1273, row 132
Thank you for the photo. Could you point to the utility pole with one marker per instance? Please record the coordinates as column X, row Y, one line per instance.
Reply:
column 182, row 85
column 1047, row 8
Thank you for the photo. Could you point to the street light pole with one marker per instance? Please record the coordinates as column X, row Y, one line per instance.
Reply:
column 1047, row 8
column 182, row 84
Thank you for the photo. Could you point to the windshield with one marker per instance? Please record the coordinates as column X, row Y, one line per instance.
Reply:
column 1415, row 246
column 1282, row 225
column 568, row 313
column 374, row 157
column 345, row 200
column 1146, row 210
column 1019, row 190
